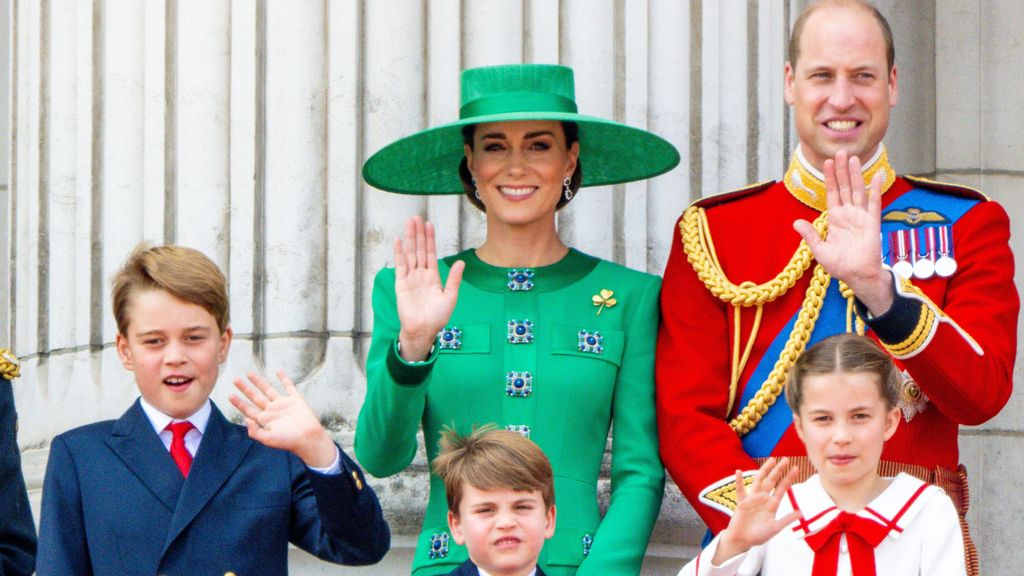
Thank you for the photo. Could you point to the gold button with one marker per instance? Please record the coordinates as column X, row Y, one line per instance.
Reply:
column 359, row 483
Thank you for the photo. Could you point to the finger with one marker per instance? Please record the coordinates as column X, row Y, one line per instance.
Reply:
column 741, row 487
column 288, row 383
column 401, row 270
column 252, row 394
column 875, row 196
column 247, row 410
column 859, row 195
column 783, row 486
column 806, row 231
column 831, row 184
column 421, row 244
column 431, row 247
column 263, row 385
column 451, row 286
column 772, row 478
column 843, row 177
column 409, row 245
column 785, row 521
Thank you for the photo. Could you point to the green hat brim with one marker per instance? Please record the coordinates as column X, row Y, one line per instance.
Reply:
column 427, row 162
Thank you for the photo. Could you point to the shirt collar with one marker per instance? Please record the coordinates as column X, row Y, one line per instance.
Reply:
column 159, row 420
column 483, row 573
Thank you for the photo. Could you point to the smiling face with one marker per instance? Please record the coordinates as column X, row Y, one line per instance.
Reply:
column 175, row 350
column 841, row 88
column 519, row 169
column 504, row 530
column 844, row 423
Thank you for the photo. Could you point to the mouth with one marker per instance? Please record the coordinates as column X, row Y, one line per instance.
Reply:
column 841, row 459
column 507, row 542
column 516, row 192
column 178, row 383
column 842, row 126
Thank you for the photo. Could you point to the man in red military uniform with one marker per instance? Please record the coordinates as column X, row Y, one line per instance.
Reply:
column 923, row 267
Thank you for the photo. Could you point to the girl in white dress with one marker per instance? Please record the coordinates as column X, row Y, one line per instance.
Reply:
column 846, row 519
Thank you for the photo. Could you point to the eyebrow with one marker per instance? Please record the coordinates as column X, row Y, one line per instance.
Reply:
column 196, row 328
column 502, row 136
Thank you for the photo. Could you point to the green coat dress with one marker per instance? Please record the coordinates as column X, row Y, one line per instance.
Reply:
column 529, row 350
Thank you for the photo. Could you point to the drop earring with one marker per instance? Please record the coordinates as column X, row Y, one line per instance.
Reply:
column 475, row 193
column 568, row 189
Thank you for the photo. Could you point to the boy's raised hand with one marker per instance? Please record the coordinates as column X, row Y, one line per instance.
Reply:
column 284, row 421
column 753, row 522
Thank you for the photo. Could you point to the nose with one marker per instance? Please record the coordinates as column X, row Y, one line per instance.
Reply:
column 505, row 520
column 841, row 434
column 841, row 96
column 174, row 353
column 516, row 162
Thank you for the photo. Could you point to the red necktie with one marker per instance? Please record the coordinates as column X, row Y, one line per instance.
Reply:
column 862, row 535
column 178, row 451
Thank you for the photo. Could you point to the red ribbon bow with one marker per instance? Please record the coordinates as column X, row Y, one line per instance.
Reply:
column 862, row 535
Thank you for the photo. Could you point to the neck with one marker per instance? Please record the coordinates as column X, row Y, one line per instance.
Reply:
column 807, row 183
column 511, row 246
column 855, row 497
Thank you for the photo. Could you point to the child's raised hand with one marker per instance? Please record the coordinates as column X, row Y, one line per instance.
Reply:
column 284, row 421
column 753, row 522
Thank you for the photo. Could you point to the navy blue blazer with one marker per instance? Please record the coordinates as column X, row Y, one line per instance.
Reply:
column 467, row 568
column 17, row 530
column 114, row 503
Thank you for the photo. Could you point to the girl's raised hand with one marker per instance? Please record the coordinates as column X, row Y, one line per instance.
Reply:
column 424, row 305
column 753, row 522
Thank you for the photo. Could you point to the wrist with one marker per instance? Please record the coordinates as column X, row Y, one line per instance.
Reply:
column 727, row 548
column 319, row 453
column 415, row 348
column 876, row 293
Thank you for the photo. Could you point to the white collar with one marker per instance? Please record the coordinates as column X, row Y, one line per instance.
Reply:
column 482, row 573
column 200, row 418
column 864, row 167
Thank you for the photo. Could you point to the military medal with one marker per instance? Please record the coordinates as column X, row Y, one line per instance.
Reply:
column 945, row 266
column 898, row 244
column 913, row 400
column 924, row 263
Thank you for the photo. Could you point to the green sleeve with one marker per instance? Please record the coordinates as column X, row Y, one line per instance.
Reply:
column 637, row 475
column 396, row 391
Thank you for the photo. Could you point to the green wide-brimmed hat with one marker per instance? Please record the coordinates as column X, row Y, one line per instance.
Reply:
column 427, row 162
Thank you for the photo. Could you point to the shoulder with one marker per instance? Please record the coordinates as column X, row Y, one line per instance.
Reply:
column 87, row 433
column 626, row 274
column 733, row 196
column 957, row 190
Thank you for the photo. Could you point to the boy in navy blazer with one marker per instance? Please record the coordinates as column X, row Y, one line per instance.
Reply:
column 501, row 500
column 172, row 487
column 17, row 530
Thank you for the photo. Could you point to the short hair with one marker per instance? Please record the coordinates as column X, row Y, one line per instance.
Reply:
column 185, row 273
column 844, row 354
column 572, row 134
column 492, row 459
column 801, row 21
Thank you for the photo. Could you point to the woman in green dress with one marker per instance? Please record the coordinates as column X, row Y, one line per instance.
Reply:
column 523, row 331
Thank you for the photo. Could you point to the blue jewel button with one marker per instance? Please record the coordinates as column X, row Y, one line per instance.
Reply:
column 450, row 338
column 519, row 384
column 591, row 342
column 520, row 280
column 520, row 331
column 588, row 541
column 520, row 428
column 438, row 545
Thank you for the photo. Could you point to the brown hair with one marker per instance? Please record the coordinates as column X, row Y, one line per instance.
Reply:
column 185, row 273
column 491, row 459
column 844, row 353
column 572, row 134
column 801, row 21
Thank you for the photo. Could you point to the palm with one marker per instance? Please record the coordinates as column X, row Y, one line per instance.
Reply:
column 424, row 304
column 753, row 522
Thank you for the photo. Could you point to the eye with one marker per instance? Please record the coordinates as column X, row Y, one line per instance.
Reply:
column 822, row 419
column 861, row 416
column 195, row 337
column 493, row 147
column 540, row 145
column 151, row 341
column 524, row 507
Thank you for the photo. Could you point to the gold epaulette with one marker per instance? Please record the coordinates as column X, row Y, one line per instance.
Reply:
column 947, row 187
column 723, row 197
column 9, row 366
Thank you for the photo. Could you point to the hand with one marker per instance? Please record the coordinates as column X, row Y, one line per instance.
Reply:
column 424, row 306
column 284, row 421
column 753, row 522
column 852, row 250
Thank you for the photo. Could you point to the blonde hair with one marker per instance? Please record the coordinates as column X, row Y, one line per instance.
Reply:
column 491, row 459
column 844, row 353
column 185, row 273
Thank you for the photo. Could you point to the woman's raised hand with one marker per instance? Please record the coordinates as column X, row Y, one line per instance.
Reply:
column 424, row 305
column 753, row 522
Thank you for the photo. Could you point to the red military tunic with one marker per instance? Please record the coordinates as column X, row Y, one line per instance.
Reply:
column 955, row 335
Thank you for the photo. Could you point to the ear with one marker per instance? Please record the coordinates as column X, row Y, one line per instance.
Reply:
column 456, row 527
column 798, row 426
column 225, row 345
column 894, row 87
column 124, row 352
column 549, row 524
column 469, row 156
column 892, row 422
column 574, row 156
column 788, row 86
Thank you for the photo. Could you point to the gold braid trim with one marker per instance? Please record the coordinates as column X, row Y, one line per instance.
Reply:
column 9, row 367
column 700, row 252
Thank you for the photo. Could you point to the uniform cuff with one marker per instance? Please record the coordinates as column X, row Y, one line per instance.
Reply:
column 409, row 373
column 907, row 326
